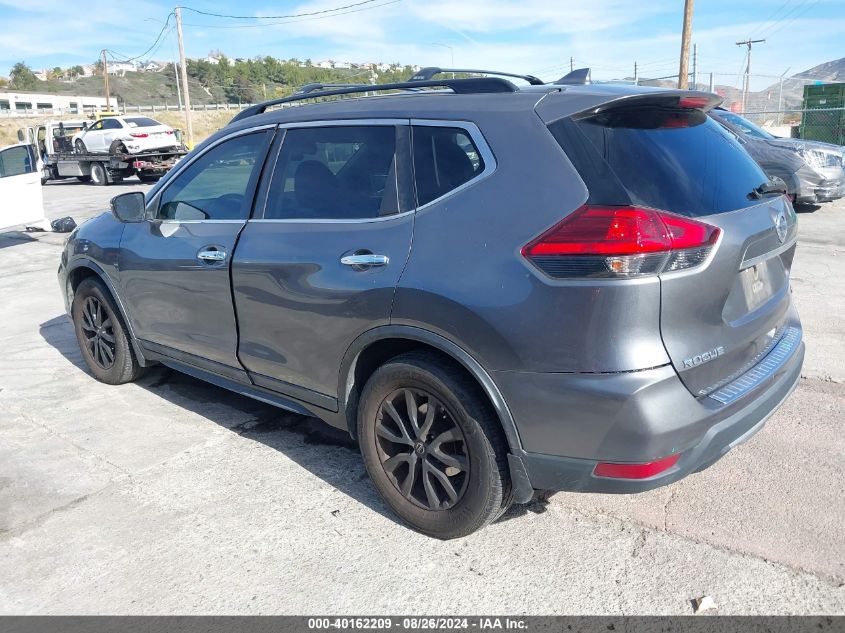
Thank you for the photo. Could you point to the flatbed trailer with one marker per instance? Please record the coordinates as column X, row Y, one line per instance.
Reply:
column 105, row 169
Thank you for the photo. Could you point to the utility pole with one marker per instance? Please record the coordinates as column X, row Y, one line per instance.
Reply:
column 188, row 122
column 571, row 64
column 683, row 71
column 636, row 76
column 695, row 66
column 710, row 88
column 746, row 85
column 106, row 80
column 780, row 97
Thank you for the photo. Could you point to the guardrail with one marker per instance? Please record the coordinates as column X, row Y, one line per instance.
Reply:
column 123, row 109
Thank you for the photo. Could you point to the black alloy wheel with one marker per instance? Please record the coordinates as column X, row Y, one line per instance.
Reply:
column 98, row 331
column 103, row 337
column 433, row 446
column 422, row 450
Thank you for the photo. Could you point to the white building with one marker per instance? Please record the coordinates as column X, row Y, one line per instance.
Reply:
column 121, row 68
column 29, row 103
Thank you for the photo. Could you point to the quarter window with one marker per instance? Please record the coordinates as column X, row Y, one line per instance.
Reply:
column 344, row 172
column 444, row 159
column 215, row 185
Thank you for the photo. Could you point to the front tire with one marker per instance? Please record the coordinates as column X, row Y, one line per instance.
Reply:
column 433, row 446
column 79, row 146
column 102, row 335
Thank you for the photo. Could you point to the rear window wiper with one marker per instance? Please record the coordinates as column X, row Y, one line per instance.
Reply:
column 772, row 187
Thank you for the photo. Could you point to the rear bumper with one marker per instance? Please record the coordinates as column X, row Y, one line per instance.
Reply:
column 636, row 417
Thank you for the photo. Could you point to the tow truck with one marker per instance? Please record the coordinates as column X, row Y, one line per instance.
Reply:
column 57, row 159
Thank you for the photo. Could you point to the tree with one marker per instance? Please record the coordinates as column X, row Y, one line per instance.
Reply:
column 76, row 71
column 21, row 77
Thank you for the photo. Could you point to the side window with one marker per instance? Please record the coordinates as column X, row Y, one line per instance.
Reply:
column 15, row 161
column 215, row 186
column 96, row 126
column 344, row 172
column 111, row 124
column 444, row 159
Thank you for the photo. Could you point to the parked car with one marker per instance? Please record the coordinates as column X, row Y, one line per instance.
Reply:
column 496, row 290
column 20, row 187
column 125, row 135
column 813, row 171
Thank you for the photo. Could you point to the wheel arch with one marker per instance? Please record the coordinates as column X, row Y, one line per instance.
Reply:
column 375, row 347
column 83, row 269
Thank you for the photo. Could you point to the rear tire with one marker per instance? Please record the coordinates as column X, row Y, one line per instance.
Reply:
column 98, row 175
column 102, row 335
column 438, row 456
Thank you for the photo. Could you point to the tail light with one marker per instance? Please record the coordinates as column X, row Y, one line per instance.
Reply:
column 139, row 135
column 620, row 242
column 169, row 132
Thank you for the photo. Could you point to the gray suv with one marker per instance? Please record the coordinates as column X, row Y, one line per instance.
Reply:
column 495, row 290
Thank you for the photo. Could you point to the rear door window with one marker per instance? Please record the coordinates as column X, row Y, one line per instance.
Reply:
column 335, row 173
column 444, row 159
column 679, row 161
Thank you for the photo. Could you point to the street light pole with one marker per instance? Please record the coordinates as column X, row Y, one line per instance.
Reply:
column 451, row 54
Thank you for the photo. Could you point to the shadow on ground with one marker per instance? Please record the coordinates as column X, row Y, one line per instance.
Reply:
column 14, row 238
column 308, row 441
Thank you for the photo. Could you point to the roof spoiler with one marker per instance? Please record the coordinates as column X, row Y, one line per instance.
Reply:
column 577, row 77
column 682, row 99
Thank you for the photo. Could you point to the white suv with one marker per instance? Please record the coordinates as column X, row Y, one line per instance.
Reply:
column 125, row 135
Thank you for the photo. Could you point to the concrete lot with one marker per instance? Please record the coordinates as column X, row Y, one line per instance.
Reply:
column 172, row 496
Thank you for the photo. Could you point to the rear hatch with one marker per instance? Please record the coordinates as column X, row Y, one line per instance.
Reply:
column 723, row 313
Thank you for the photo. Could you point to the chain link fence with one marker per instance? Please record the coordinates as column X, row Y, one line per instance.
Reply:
column 817, row 124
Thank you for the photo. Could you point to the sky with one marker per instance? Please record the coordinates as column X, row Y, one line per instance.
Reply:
column 528, row 36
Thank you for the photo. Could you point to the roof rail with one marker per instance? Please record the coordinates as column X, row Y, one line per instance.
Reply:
column 577, row 77
column 314, row 87
column 424, row 74
column 473, row 85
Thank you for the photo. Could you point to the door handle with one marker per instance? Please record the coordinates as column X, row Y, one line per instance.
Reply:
column 212, row 256
column 365, row 260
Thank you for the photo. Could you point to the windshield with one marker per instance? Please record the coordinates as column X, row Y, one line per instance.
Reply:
column 744, row 124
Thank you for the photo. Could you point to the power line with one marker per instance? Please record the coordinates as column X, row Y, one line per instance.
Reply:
column 305, row 19
column 157, row 40
column 278, row 17
column 793, row 19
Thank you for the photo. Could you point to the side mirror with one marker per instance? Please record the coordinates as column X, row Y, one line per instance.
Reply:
column 129, row 207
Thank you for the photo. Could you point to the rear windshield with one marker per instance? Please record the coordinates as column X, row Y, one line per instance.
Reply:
column 141, row 121
column 675, row 160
